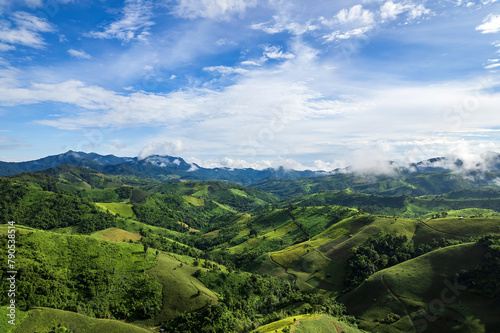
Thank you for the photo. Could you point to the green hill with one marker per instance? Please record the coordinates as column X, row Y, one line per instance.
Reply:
column 318, row 264
column 45, row 320
column 418, row 294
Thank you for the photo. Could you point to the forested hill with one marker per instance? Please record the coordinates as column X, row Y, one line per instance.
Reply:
column 128, row 253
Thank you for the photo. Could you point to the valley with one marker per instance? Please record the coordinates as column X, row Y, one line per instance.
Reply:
column 119, row 245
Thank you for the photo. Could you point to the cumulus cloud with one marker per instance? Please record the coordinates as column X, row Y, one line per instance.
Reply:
column 212, row 9
column 491, row 24
column 79, row 54
column 391, row 10
column 352, row 22
column 135, row 23
column 355, row 15
column 172, row 148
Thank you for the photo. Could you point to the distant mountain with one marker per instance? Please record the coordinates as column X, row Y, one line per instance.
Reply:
column 165, row 168
column 488, row 162
column 169, row 168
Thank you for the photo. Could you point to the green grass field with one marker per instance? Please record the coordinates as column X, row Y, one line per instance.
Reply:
column 180, row 288
column 195, row 201
column 116, row 235
column 44, row 320
column 136, row 226
column 287, row 322
column 406, row 288
column 308, row 323
column 202, row 191
column 125, row 210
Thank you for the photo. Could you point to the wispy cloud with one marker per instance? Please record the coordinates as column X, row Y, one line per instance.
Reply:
column 27, row 30
column 212, row 9
column 226, row 70
column 282, row 23
column 6, row 47
column 79, row 54
column 275, row 52
column 491, row 24
column 134, row 24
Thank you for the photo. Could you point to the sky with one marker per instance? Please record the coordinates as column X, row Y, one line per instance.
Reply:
column 251, row 83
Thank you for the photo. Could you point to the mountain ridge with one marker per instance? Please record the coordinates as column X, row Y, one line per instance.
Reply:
column 171, row 168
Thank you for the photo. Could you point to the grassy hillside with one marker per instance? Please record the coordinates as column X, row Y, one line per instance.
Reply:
column 117, row 235
column 45, row 320
column 124, row 247
column 121, row 209
column 84, row 275
column 182, row 292
column 405, row 296
column 318, row 264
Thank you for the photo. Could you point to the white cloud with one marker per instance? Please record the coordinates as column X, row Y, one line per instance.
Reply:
column 418, row 11
column 212, row 9
column 172, row 148
column 492, row 66
column 226, row 162
column 30, row 22
column 355, row 15
column 352, row 22
column 6, row 47
column 491, row 24
column 275, row 52
column 27, row 31
column 250, row 63
column 134, row 23
column 225, row 41
column 226, row 70
column 40, row 3
column 391, row 10
column 283, row 24
column 346, row 34
column 79, row 54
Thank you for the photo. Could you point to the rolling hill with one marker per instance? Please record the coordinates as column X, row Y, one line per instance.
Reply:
column 127, row 245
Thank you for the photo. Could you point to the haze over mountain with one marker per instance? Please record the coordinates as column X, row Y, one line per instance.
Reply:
column 169, row 168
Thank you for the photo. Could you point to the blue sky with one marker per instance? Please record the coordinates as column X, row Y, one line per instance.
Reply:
column 251, row 83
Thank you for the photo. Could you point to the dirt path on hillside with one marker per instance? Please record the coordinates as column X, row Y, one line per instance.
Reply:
column 334, row 323
column 298, row 226
column 399, row 300
column 285, row 269
column 443, row 232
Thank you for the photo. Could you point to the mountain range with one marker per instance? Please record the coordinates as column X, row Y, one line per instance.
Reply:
column 169, row 168
column 164, row 168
